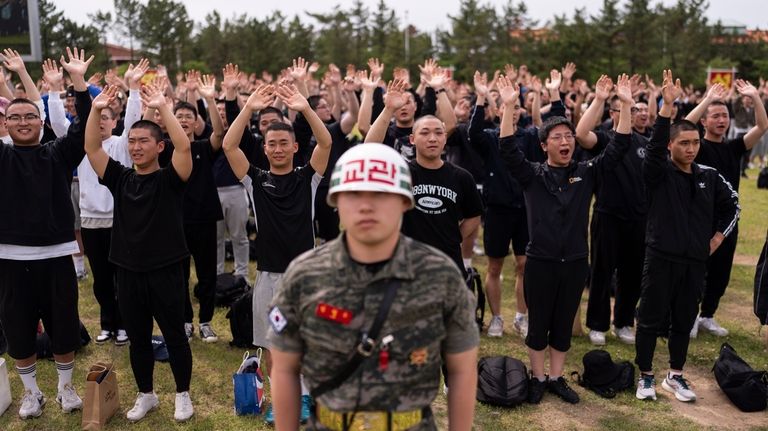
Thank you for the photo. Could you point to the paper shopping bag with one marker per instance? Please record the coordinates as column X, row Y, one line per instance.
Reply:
column 102, row 398
column 5, row 387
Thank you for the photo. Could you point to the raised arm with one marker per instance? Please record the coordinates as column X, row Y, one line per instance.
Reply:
column 509, row 93
column 54, row 76
column 290, row 95
column 394, row 99
column 258, row 100
column 715, row 92
column 74, row 140
column 334, row 83
column 438, row 80
column 182, row 154
column 13, row 62
column 132, row 78
column 206, row 86
column 552, row 85
column 761, row 120
column 369, row 82
column 298, row 71
column 656, row 155
column 521, row 169
column 93, row 149
column 5, row 91
column 349, row 118
column 584, row 134
column 536, row 103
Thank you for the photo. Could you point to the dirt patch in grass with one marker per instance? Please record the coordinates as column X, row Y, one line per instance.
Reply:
column 747, row 260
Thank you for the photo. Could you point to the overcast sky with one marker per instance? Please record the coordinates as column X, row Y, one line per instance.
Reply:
column 425, row 15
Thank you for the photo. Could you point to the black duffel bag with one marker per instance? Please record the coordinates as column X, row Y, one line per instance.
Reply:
column 745, row 387
column 502, row 381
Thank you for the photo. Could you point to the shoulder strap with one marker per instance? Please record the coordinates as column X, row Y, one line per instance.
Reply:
column 365, row 348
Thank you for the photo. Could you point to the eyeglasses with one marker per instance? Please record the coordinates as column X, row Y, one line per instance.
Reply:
column 16, row 117
column 567, row 137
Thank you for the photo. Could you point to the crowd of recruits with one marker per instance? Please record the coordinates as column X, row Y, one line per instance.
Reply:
column 148, row 250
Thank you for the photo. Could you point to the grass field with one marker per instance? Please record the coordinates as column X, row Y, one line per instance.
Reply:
column 214, row 363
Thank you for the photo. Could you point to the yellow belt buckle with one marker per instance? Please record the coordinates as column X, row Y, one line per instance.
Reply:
column 401, row 421
column 364, row 421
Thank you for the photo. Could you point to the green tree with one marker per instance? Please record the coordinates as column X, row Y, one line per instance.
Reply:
column 127, row 15
column 468, row 45
column 165, row 30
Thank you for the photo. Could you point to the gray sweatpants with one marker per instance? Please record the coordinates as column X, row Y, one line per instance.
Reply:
column 234, row 205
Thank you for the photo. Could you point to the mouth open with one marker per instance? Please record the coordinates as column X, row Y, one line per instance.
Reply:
column 565, row 152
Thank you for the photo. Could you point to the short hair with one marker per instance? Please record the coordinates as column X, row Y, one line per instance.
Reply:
column 314, row 100
column 680, row 126
column 111, row 112
column 20, row 101
column 154, row 130
column 714, row 103
column 185, row 105
column 279, row 126
column 271, row 110
column 424, row 118
column 551, row 123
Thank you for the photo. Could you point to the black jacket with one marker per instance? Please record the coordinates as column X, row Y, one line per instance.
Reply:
column 684, row 210
column 558, row 210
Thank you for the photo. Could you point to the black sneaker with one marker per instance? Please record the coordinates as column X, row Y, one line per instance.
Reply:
column 536, row 390
column 560, row 388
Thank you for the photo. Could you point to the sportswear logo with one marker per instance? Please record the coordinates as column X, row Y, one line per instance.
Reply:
column 702, row 186
column 574, row 180
column 267, row 184
column 641, row 152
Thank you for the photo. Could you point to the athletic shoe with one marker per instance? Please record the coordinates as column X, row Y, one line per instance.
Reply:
column 207, row 334
column 709, row 324
column 306, row 408
column 597, row 338
column 646, row 387
column 624, row 334
column 679, row 386
column 68, row 399
column 521, row 325
column 536, row 390
column 269, row 416
column 560, row 388
column 184, row 409
column 81, row 275
column 103, row 336
column 695, row 329
column 121, row 339
column 478, row 251
column 189, row 329
column 496, row 327
column 143, row 405
column 31, row 404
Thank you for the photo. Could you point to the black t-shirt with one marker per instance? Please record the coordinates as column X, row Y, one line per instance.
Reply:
column 201, row 199
column 725, row 157
column 444, row 197
column 399, row 139
column 621, row 192
column 147, row 231
column 283, row 205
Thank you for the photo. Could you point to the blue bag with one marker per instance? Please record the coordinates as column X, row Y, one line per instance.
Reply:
column 248, row 382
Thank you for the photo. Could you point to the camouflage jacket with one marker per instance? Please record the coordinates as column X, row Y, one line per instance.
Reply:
column 326, row 301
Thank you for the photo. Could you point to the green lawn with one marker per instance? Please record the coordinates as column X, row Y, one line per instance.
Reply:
column 213, row 365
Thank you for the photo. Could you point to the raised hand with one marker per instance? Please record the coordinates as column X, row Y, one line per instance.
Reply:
column 95, row 79
column 376, row 68
column 439, row 79
column 624, row 89
column 134, row 74
column 402, row 74
column 299, row 69
column 104, row 98
column 334, row 75
column 568, row 70
column 509, row 91
column 535, row 84
column 671, row 88
column 261, row 98
column 206, row 86
column 395, row 98
column 190, row 80
column 430, row 65
column 350, row 83
column 603, row 87
column 76, row 64
column 510, row 72
column 314, row 67
column 745, row 88
column 291, row 97
column 369, row 83
column 716, row 92
column 553, row 82
column 12, row 61
column 481, row 83
column 230, row 72
column 53, row 75
column 152, row 95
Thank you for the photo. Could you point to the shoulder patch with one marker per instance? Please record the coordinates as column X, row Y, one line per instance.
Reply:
column 277, row 320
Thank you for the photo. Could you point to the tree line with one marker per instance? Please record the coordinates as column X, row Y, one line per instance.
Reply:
column 633, row 36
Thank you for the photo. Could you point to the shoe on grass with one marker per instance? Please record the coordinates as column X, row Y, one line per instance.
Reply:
column 496, row 327
column 184, row 409
column 680, row 387
column 710, row 325
column 103, row 336
column 121, row 338
column 646, row 387
column 68, row 399
column 536, row 389
column 207, row 334
column 143, row 405
column 597, row 338
column 624, row 334
column 560, row 388
column 32, row 404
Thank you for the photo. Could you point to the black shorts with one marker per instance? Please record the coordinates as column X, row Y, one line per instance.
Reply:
column 31, row 290
column 503, row 225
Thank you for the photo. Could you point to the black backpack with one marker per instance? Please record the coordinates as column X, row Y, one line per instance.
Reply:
column 603, row 376
column 475, row 285
column 745, row 387
column 502, row 381
column 228, row 288
column 762, row 179
column 240, row 317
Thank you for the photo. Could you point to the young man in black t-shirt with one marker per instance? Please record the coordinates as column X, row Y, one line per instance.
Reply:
column 148, row 245
column 282, row 198
column 725, row 156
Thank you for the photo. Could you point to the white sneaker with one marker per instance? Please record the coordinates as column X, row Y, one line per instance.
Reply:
column 597, row 338
column 695, row 329
column 121, row 339
column 68, row 399
column 496, row 327
column 709, row 324
column 646, row 388
column 184, row 409
column 31, row 404
column 144, row 404
column 189, row 329
column 624, row 334
column 207, row 333
column 103, row 337
column 679, row 386
column 521, row 325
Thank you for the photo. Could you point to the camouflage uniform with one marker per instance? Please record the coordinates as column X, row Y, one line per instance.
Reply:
column 432, row 315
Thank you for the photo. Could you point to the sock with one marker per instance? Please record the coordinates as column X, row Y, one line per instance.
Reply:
column 542, row 378
column 467, row 262
column 79, row 263
column 29, row 377
column 519, row 315
column 497, row 315
column 304, row 389
column 674, row 373
column 65, row 373
column 553, row 378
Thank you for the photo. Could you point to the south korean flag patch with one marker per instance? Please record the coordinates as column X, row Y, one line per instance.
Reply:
column 277, row 320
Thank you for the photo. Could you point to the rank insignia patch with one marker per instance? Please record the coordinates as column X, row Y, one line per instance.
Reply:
column 334, row 314
column 419, row 356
